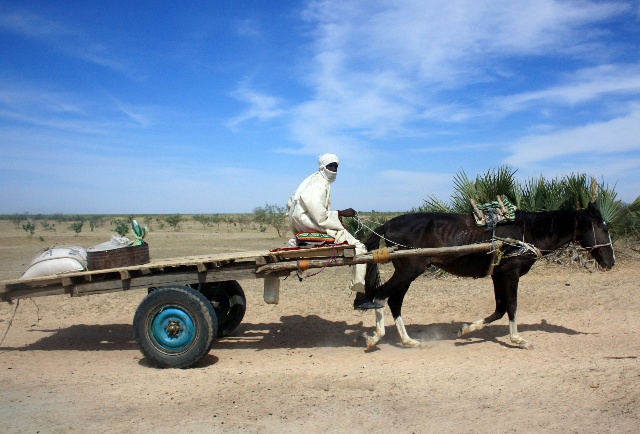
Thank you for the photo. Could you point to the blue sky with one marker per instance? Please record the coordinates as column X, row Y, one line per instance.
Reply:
column 224, row 106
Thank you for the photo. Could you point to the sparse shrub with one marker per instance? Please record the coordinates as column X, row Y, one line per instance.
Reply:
column 48, row 226
column 95, row 222
column 29, row 228
column 17, row 218
column 77, row 227
column 147, row 222
column 271, row 215
column 242, row 221
column 121, row 226
column 207, row 220
column 174, row 221
column 160, row 221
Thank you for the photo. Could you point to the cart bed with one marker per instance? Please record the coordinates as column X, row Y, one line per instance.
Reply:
column 192, row 269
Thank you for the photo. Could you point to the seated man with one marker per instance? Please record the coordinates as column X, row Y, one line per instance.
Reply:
column 308, row 211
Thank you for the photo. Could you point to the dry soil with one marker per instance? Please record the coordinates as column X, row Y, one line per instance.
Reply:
column 71, row 364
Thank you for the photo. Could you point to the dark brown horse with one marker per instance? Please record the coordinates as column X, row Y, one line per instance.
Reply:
column 535, row 234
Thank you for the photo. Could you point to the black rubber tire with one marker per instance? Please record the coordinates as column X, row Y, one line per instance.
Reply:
column 229, row 303
column 175, row 326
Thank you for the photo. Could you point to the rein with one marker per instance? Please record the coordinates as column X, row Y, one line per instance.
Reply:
column 498, row 254
column 361, row 226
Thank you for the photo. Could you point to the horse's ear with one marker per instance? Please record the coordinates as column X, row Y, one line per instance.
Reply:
column 592, row 208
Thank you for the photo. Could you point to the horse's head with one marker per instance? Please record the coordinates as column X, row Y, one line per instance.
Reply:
column 593, row 235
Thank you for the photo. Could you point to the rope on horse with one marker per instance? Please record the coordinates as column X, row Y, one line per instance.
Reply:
column 513, row 242
column 380, row 256
column 361, row 226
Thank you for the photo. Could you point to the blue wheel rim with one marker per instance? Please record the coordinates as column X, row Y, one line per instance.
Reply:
column 173, row 329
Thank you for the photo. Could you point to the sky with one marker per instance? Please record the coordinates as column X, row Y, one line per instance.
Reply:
column 224, row 106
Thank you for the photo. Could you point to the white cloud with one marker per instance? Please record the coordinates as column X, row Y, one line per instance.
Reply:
column 261, row 106
column 71, row 41
column 37, row 105
column 32, row 25
column 379, row 68
column 600, row 138
column 583, row 86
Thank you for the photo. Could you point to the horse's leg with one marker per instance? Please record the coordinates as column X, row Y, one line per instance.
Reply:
column 395, row 304
column 404, row 336
column 406, row 270
column 512, row 307
column 378, row 334
column 509, row 282
column 505, row 286
column 515, row 337
column 499, row 289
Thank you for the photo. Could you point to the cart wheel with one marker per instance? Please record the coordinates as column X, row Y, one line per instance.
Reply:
column 229, row 303
column 174, row 326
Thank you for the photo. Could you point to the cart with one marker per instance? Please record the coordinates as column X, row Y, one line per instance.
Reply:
column 193, row 300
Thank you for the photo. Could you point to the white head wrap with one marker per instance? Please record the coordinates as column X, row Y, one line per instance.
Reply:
column 325, row 159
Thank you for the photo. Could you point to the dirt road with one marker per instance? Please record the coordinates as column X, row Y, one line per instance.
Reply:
column 71, row 365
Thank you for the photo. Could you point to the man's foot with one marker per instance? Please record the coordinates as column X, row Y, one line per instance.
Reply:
column 363, row 303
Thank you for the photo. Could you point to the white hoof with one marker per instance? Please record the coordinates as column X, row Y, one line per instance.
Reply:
column 464, row 329
column 412, row 343
column 371, row 341
column 526, row 345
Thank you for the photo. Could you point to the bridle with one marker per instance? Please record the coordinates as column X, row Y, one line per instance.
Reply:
column 595, row 238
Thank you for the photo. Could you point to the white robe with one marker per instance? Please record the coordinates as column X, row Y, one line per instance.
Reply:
column 309, row 211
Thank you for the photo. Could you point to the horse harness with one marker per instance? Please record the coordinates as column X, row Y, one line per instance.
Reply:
column 595, row 238
column 498, row 254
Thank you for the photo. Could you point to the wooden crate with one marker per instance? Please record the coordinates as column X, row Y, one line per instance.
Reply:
column 116, row 258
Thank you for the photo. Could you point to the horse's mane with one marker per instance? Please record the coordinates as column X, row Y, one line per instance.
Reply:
column 547, row 223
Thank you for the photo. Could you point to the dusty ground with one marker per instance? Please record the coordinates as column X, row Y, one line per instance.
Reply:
column 71, row 365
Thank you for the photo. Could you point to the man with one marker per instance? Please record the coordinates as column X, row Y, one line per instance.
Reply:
column 308, row 211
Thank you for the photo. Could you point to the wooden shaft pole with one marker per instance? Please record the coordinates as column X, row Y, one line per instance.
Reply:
column 369, row 257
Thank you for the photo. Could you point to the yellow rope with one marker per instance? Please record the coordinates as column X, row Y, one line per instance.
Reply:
column 380, row 256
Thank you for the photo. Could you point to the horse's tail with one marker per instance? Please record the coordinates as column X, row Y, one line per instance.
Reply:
column 372, row 277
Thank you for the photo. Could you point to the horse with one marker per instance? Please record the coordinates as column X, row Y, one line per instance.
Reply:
column 528, row 237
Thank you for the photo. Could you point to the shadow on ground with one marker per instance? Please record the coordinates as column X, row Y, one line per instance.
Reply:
column 293, row 331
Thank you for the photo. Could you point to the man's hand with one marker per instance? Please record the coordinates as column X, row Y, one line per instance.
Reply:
column 349, row 212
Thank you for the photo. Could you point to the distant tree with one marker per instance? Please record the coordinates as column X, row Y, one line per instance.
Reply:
column 48, row 226
column 29, row 227
column 272, row 215
column 17, row 218
column 96, row 222
column 174, row 221
column 121, row 226
column 207, row 220
column 77, row 226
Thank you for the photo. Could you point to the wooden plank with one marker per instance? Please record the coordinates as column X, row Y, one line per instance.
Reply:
column 315, row 252
column 33, row 292
column 180, row 278
column 202, row 262
column 149, row 268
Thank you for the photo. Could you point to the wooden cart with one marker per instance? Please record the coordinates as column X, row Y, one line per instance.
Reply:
column 193, row 300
